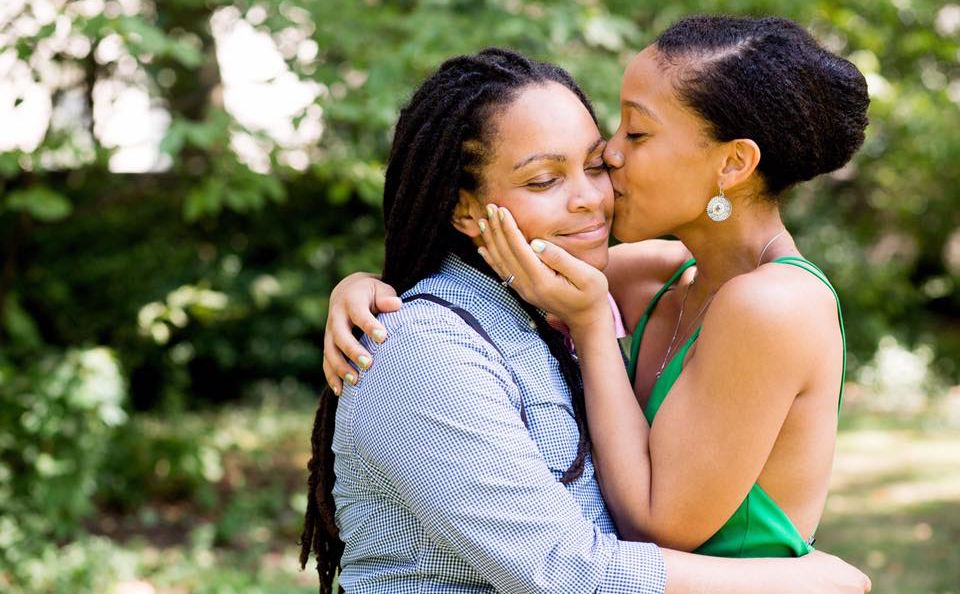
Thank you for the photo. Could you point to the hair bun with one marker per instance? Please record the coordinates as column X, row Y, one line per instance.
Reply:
column 769, row 80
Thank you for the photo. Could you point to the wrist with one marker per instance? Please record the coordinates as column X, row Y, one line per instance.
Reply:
column 595, row 324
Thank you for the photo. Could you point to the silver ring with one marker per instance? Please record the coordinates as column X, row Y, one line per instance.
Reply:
column 507, row 282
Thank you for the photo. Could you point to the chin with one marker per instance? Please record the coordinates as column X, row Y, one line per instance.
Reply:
column 598, row 258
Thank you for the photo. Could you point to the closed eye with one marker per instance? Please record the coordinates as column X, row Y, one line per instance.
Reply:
column 636, row 135
column 542, row 184
column 598, row 168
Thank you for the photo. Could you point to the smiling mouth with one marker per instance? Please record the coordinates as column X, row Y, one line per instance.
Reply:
column 591, row 233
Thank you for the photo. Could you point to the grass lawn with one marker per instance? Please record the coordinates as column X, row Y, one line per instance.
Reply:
column 894, row 510
column 894, row 507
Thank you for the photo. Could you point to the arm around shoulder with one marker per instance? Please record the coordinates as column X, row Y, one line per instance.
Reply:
column 636, row 270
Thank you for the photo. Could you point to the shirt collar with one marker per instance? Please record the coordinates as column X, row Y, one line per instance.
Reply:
column 491, row 289
column 487, row 287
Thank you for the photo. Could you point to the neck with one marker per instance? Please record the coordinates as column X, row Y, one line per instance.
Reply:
column 733, row 247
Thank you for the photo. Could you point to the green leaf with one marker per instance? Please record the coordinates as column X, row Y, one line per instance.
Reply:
column 207, row 198
column 144, row 36
column 186, row 54
column 273, row 188
column 173, row 140
column 9, row 164
column 19, row 326
column 40, row 202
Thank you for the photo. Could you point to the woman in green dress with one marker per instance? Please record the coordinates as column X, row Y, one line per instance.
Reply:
column 720, row 437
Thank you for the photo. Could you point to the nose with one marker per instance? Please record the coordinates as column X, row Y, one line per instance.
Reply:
column 590, row 194
column 612, row 155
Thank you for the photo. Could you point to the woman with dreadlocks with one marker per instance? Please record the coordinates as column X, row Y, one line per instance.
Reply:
column 462, row 461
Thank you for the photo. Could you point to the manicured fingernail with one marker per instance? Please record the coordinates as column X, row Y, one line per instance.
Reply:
column 336, row 390
column 502, row 213
column 379, row 335
column 483, row 225
column 491, row 210
column 482, row 252
column 364, row 361
column 538, row 246
column 351, row 378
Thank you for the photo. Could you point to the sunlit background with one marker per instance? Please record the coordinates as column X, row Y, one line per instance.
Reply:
column 183, row 181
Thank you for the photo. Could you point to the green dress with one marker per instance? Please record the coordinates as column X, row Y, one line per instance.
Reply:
column 759, row 528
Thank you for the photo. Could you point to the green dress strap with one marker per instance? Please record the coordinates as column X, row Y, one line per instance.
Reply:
column 638, row 331
column 815, row 271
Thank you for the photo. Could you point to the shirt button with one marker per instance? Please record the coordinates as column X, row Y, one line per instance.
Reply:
column 532, row 325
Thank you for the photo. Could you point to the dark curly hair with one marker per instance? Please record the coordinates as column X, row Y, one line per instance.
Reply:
column 443, row 140
column 767, row 79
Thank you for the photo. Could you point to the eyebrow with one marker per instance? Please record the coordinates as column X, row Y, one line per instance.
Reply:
column 554, row 156
column 540, row 157
column 643, row 109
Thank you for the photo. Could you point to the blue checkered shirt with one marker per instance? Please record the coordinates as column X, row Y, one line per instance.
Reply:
column 439, row 485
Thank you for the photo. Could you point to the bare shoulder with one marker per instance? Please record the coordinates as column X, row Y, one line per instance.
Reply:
column 775, row 305
column 637, row 270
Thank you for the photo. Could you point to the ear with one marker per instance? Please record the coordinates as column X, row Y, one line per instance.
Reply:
column 466, row 214
column 740, row 160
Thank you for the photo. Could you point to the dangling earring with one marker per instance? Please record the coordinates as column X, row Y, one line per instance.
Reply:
column 719, row 208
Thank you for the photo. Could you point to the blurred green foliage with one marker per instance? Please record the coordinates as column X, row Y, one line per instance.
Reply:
column 57, row 415
column 205, row 281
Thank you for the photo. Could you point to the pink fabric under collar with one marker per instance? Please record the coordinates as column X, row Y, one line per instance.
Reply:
column 618, row 326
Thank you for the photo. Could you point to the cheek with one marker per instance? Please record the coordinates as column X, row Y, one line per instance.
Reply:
column 664, row 179
column 605, row 187
column 526, row 212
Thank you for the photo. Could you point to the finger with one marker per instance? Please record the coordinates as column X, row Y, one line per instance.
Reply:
column 579, row 273
column 491, row 261
column 387, row 303
column 346, row 343
column 497, row 267
column 333, row 380
column 362, row 318
column 507, row 258
column 526, row 260
column 385, row 298
column 334, row 356
column 338, row 366
column 490, row 251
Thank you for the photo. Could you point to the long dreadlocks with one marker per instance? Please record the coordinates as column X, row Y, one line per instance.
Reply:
column 443, row 141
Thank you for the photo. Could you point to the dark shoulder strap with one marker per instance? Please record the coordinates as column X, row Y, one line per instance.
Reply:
column 471, row 321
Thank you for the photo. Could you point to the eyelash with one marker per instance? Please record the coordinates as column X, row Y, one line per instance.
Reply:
column 546, row 184
column 636, row 136
column 543, row 184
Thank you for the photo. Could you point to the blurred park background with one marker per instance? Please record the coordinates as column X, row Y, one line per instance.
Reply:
column 183, row 181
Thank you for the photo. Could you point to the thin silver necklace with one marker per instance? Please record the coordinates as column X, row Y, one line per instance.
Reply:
column 764, row 250
column 680, row 317
column 683, row 304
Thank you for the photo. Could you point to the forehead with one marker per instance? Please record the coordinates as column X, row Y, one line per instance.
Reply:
column 544, row 118
column 648, row 81
column 647, row 77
